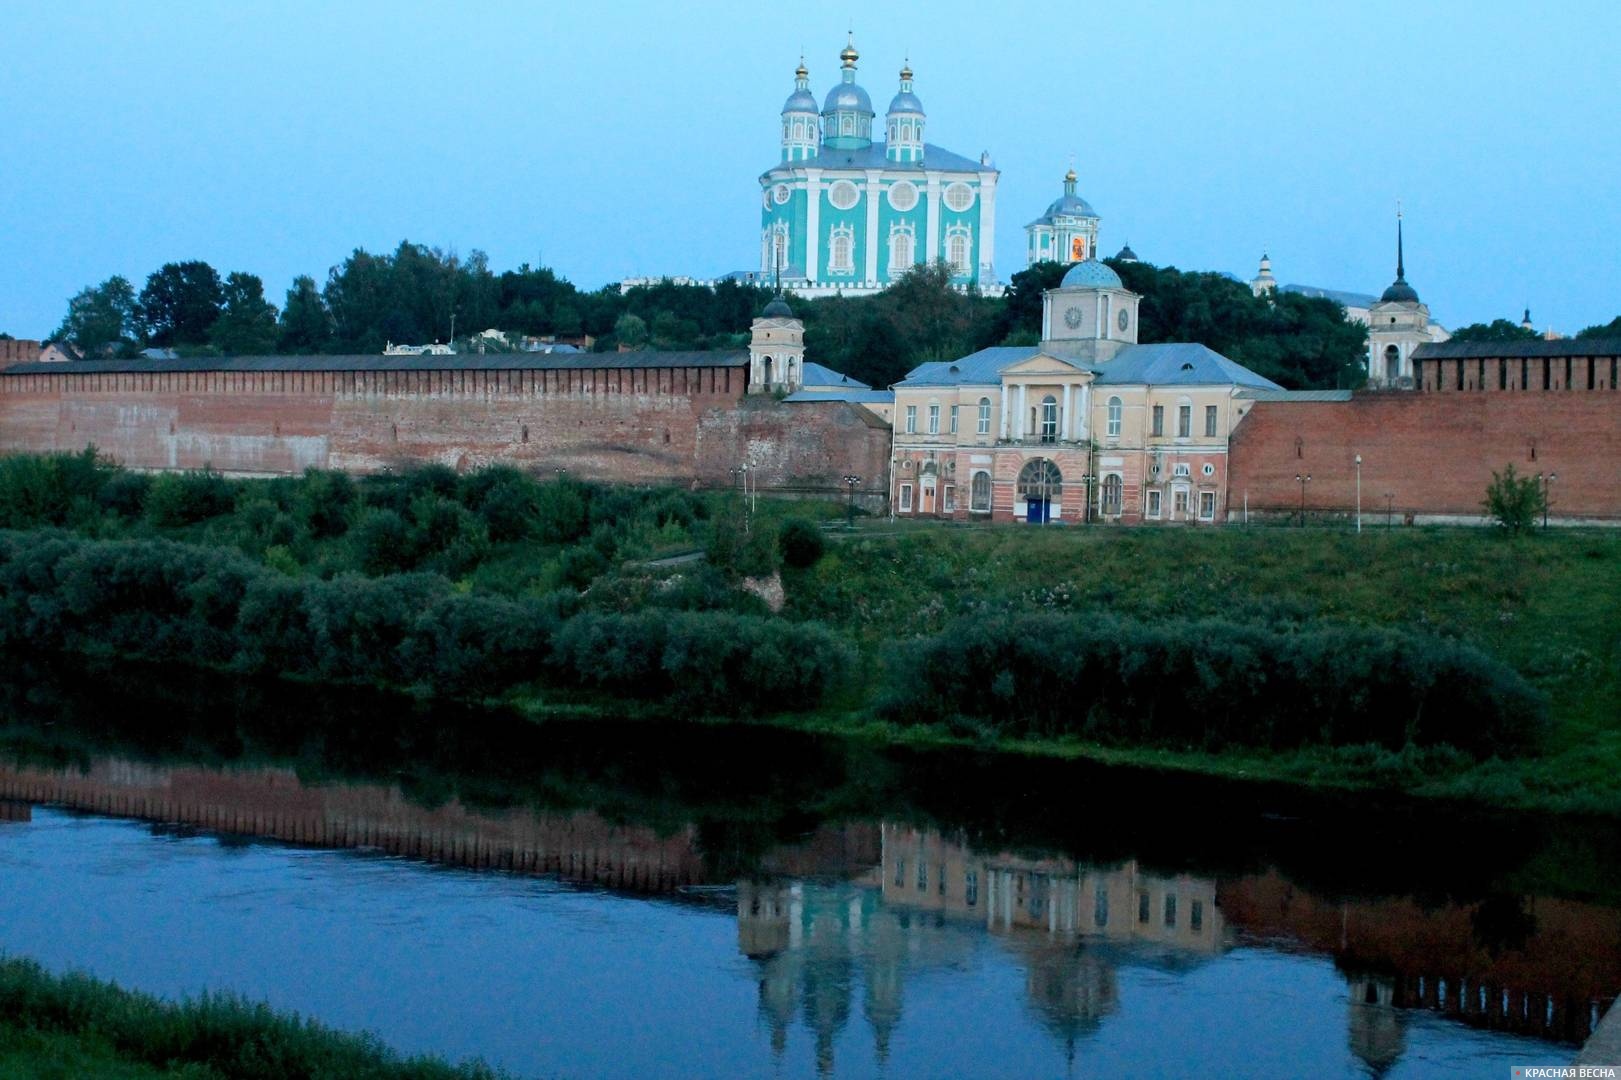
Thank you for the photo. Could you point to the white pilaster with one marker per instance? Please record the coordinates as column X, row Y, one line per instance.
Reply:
column 1085, row 418
column 813, row 223
column 873, row 195
column 1066, row 420
column 987, row 228
column 1022, row 414
column 1007, row 392
column 931, row 244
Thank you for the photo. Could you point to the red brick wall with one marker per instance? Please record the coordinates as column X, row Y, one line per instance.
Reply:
column 664, row 425
column 18, row 351
column 1432, row 453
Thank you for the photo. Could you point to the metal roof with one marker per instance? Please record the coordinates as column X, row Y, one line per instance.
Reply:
column 370, row 362
column 817, row 375
column 1339, row 296
column 1173, row 364
column 873, row 157
column 854, row 395
column 1451, row 350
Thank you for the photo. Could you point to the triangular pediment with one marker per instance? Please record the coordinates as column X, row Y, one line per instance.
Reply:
column 1045, row 363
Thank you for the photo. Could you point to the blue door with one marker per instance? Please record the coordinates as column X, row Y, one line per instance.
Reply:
column 1037, row 510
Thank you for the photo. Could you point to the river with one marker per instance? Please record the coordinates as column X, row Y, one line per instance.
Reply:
column 595, row 899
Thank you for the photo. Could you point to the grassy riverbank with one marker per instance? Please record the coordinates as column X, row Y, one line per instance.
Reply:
column 74, row 1027
column 1449, row 663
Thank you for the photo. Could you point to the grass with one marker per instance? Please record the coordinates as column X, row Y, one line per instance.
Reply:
column 73, row 1026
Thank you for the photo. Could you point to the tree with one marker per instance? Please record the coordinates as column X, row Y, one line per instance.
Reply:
column 1496, row 330
column 100, row 318
column 179, row 303
column 1515, row 502
column 630, row 330
column 247, row 324
column 1611, row 329
column 306, row 325
column 1023, row 300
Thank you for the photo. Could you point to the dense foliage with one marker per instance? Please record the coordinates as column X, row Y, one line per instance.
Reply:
column 1214, row 683
column 76, row 1025
column 1515, row 502
column 416, row 294
column 1498, row 330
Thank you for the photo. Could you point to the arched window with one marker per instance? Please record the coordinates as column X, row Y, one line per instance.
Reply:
column 979, row 493
column 1392, row 362
column 1040, row 479
column 841, row 251
column 781, row 253
column 1049, row 419
column 1114, row 418
column 984, row 416
column 958, row 241
column 765, row 371
column 900, row 249
column 1112, row 489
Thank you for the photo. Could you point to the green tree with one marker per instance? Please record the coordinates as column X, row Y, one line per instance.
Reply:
column 306, row 325
column 100, row 318
column 1515, row 502
column 1022, row 303
column 1496, row 330
column 179, row 303
column 630, row 330
column 247, row 324
column 1611, row 329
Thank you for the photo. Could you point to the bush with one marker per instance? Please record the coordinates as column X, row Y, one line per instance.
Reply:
column 1515, row 502
column 124, row 493
column 186, row 498
column 45, row 489
column 1213, row 683
column 801, row 543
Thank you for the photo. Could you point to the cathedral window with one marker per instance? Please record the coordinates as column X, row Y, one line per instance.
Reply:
column 903, row 196
column 843, row 195
column 901, row 249
column 841, row 250
column 1115, row 409
column 959, row 196
column 958, row 242
column 984, row 416
column 979, row 493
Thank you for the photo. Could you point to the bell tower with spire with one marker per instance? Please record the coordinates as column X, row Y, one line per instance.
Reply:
column 1397, row 325
column 904, row 122
column 800, row 119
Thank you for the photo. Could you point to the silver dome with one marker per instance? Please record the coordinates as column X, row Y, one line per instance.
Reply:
column 800, row 101
column 906, row 102
column 1091, row 274
column 847, row 97
column 1071, row 206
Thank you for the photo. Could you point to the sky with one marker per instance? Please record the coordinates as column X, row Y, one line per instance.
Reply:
column 615, row 139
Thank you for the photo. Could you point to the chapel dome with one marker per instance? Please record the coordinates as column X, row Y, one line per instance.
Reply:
column 906, row 102
column 800, row 101
column 1071, row 206
column 847, row 97
column 1091, row 274
column 777, row 309
column 1399, row 293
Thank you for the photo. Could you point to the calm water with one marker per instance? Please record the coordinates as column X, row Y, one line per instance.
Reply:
column 596, row 901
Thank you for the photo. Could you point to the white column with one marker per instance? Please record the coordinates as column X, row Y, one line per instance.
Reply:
column 1066, row 422
column 1006, row 393
column 987, row 226
column 813, row 222
column 1022, row 406
column 1084, row 420
column 873, row 195
column 931, row 243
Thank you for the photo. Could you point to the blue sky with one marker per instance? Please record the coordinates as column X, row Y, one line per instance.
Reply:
column 612, row 139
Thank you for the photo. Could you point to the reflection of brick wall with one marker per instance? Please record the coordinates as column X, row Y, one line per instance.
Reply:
column 633, row 426
column 1433, row 453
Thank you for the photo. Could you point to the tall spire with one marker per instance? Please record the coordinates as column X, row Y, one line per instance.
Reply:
column 1401, row 273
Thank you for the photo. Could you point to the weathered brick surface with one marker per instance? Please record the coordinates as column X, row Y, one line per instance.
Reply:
column 1432, row 453
column 675, row 425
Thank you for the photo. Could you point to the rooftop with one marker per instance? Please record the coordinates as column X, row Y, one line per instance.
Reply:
column 1452, row 350
column 1173, row 364
column 372, row 362
column 873, row 157
column 1339, row 296
column 818, row 375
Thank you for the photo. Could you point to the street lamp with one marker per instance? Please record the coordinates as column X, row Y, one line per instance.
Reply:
column 1086, row 488
column 850, row 483
column 1359, row 494
column 1302, row 479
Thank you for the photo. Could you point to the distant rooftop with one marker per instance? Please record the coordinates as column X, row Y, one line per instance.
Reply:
column 1453, row 350
column 577, row 361
column 1339, row 296
column 1170, row 364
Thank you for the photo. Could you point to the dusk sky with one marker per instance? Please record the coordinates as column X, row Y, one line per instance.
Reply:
column 616, row 139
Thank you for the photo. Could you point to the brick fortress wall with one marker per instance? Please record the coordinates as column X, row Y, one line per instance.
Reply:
column 1433, row 453
column 626, row 425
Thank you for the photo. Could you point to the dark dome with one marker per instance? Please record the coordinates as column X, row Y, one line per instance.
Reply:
column 1399, row 293
column 777, row 309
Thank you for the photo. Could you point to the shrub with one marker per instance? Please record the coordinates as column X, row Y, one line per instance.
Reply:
column 380, row 542
column 124, row 493
column 186, row 498
column 801, row 542
column 43, row 489
column 325, row 499
column 1515, row 502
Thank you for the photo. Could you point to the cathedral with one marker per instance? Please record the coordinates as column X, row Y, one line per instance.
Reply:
column 841, row 212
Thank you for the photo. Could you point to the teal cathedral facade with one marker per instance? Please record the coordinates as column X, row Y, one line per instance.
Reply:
column 843, row 210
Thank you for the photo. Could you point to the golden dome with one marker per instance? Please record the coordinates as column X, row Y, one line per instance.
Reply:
column 800, row 71
column 1069, row 177
column 848, row 54
column 906, row 71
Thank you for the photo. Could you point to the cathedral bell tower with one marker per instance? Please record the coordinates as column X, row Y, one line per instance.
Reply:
column 776, row 350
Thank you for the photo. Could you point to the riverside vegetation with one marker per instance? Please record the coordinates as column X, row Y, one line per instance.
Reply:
column 1444, row 662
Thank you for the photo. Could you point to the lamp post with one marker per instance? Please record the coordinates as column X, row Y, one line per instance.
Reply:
column 1086, row 488
column 1302, row 479
column 850, row 482
column 1359, row 494
column 748, row 508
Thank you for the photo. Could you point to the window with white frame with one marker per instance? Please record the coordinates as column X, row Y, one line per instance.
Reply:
column 1159, row 420
column 1049, row 419
column 841, row 248
column 1113, row 494
column 1207, row 505
column 1179, row 502
column 1115, row 410
column 911, row 419
column 1152, row 509
column 959, row 241
column 934, row 418
column 950, row 498
column 1184, row 421
column 984, row 416
column 959, row 196
column 954, row 419
column 979, row 493
column 901, row 249
column 1210, row 421
column 906, row 498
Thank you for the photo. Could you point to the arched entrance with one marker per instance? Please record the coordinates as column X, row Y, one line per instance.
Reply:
column 1392, row 363
column 1041, row 484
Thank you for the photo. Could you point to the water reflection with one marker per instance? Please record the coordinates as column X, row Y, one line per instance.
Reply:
column 843, row 919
